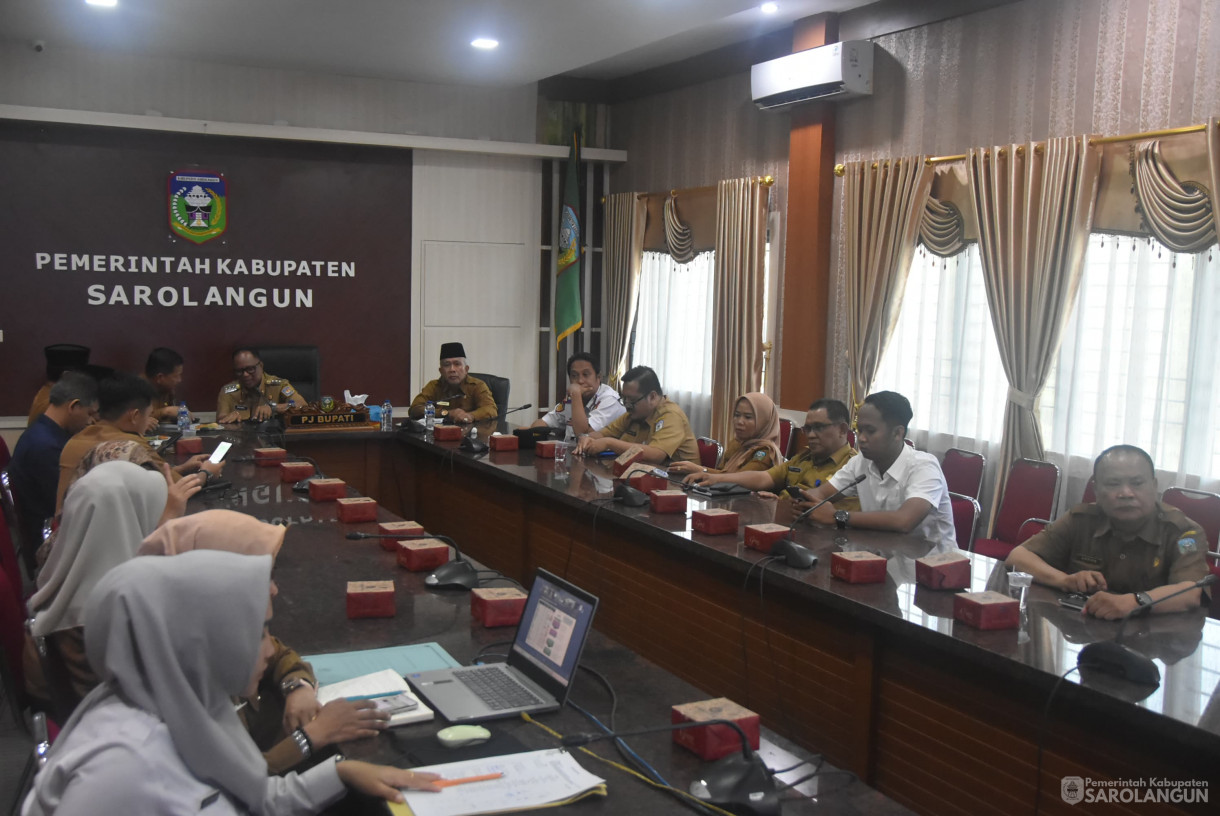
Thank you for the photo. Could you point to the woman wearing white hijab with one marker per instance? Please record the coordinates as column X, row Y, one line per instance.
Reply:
column 160, row 735
column 106, row 516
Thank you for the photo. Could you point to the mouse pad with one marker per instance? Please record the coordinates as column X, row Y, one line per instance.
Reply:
column 425, row 750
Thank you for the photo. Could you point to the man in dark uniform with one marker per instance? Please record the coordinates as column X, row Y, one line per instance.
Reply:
column 459, row 398
column 254, row 394
column 651, row 420
column 61, row 357
column 1126, row 550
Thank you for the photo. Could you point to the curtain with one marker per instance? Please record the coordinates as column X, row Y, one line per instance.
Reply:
column 1034, row 207
column 673, row 334
column 1179, row 216
column 740, row 258
column 1213, row 162
column 679, row 239
column 884, row 202
column 941, row 228
column 624, row 246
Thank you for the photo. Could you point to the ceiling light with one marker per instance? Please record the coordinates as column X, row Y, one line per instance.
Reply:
column 485, row 43
column 107, row 3
column 769, row 8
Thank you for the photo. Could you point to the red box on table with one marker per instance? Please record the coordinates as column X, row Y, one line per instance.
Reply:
column 667, row 501
column 327, row 489
column 858, row 567
column 361, row 508
column 626, row 459
column 370, row 599
column 546, row 448
column 189, row 445
column 714, row 521
column 762, row 537
column 503, row 442
column 948, row 570
column 402, row 529
column 447, row 433
column 497, row 606
column 647, row 482
column 714, row 741
column 295, row 471
column 269, row 457
column 421, row 554
column 987, row 610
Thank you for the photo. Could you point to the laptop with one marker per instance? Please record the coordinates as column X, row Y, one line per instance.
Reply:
column 541, row 663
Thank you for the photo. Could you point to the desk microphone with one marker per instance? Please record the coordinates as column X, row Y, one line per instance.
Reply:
column 741, row 783
column 303, row 485
column 479, row 446
column 1112, row 657
column 797, row 555
column 457, row 573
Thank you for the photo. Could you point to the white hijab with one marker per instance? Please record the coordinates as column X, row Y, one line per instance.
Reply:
column 107, row 514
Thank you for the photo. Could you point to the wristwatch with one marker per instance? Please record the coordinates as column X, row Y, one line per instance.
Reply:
column 1143, row 599
column 304, row 745
column 841, row 518
column 292, row 684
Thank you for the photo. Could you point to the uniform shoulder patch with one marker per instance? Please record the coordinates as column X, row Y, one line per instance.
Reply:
column 761, row 455
column 275, row 381
column 288, row 392
column 660, row 424
column 1187, row 543
column 230, row 388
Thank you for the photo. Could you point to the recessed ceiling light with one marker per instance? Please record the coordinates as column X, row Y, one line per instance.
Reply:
column 769, row 8
column 485, row 43
column 102, row 2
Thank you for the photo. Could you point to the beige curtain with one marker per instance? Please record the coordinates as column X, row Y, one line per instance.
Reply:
column 1034, row 207
column 1180, row 216
column 941, row 228
column 626, row 214
column 1213, row 160
column 741, row 235
column 884, row 204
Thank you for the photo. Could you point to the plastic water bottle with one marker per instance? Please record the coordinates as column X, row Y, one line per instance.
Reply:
column 184, row 420
column 387, row 416
column 474, row 434
column 429, row 415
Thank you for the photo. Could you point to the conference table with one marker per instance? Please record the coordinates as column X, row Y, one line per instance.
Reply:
column 937, row 716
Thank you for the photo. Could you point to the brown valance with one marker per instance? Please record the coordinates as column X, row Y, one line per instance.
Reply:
column 697, row 210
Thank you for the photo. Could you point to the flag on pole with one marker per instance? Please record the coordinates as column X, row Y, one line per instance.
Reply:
column 567, row 265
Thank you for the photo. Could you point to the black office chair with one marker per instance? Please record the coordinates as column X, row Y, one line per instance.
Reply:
column 499, row 389
column 300, row 365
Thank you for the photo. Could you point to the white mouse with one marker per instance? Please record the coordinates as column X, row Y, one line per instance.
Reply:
column 459, row 736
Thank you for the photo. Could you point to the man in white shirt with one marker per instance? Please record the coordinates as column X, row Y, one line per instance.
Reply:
column 903, row 491
column 590, row 404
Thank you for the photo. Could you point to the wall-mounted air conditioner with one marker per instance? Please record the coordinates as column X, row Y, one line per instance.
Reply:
column 831, row 72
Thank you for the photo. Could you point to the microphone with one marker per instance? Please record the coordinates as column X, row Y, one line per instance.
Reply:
column 1112, row 657
column 741, row 783
column 833, row 497
column 303, row 485
column 797, row 555
column 456, row 573
column 477, row 445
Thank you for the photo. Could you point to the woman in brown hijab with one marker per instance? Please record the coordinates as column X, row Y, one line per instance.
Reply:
column 755, row 443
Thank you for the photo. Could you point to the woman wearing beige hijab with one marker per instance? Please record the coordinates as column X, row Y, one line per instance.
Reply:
column 755, row 443
column 284, row 717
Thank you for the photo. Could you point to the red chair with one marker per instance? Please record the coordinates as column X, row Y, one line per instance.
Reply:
column 851, row 437
column 8, row 555
column 1090, row 492
column 1030, row 528
column 965, row 518
column 709, row 451
column 1202, row 507
column 964, row 471
column 787, row 437
column 5, row 456
column 1029, row 494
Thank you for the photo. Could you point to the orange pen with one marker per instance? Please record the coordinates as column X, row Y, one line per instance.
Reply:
column 449, row 783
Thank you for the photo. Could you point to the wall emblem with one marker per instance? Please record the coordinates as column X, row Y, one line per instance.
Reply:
column 198, row 208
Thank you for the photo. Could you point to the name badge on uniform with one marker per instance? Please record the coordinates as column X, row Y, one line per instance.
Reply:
column 442, row 405
column 1091, row 560
column 660, row 423
column 794, row 470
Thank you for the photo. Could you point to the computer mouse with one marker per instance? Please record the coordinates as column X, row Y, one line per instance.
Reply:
column 460, row 736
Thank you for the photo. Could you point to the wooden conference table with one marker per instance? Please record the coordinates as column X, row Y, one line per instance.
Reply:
column 940, row 717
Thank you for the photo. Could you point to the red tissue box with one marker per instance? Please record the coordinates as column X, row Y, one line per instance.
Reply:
column 503, row 442
column 545, row 448
column 987, row 610
column 358, row 509
column 370, row 599
column 950, row 570
column 189, row 445
column 327, row 489
column 447, row 433
column 857, row 567
column 626, row 459
column 667, row 501
column 714, row 741
column 295, row 471
column 497, row 606
column 403, row 529
column 647, row 482
column 421, row 554
column 714, row 521
column 269, row 457
column 762, row 536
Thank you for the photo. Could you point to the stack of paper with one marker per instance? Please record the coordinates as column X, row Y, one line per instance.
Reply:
column 378, row 684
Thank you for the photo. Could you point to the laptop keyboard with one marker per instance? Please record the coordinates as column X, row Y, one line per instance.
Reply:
column 497, row 688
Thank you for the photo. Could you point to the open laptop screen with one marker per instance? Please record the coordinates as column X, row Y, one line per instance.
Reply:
column 553, row 627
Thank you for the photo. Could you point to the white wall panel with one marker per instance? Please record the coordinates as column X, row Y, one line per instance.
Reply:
column 490, row 283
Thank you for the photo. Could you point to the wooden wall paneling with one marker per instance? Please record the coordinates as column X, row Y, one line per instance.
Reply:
column 357, row 462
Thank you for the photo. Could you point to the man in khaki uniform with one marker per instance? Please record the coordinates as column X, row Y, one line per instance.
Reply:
column 651, row 420
column 1126, row 550
column 254, row 394
column 826, row 425
column 163, row 370
column 459, row 398
column 61, row 357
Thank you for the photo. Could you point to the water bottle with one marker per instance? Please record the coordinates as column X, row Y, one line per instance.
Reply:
column 387, row 416
column 184, row 420
column 474, row 434
column 429, row 415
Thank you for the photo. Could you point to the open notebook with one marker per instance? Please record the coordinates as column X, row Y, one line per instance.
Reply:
column 378, row 686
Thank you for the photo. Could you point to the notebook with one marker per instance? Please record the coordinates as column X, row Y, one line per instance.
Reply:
column 541, row 663
column 385, row 686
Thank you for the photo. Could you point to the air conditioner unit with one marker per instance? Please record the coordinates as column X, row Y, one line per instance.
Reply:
column 831, row 72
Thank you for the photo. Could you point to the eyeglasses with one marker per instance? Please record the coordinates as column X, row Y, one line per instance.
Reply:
column 818, row 427
column 247, row 370
column 631, row 403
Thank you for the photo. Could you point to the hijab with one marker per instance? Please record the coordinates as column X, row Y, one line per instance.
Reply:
column 766, row 434
column 215, row 530
column 106, row 516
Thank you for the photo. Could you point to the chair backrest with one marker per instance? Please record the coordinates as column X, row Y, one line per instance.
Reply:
column 12, row 645
column 787, row 436
column 963, row 471
column 5, row 456
column 965, row 517
column 1029, row 493
column 300, row 365
column 709, row 451
column 8, row 554
column 499, row 387
column 1030, row 528
column 1090, row 492
column 851, row 438
column 24, row 548
column 1202, row 507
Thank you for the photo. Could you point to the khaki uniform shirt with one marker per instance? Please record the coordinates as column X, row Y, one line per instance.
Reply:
column 802, row 471
column 42, row 400
column 83, row 442
column 263, row 716
column 273, row 389
column 475, row 399
column 666, row 428
column 1168, row 549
